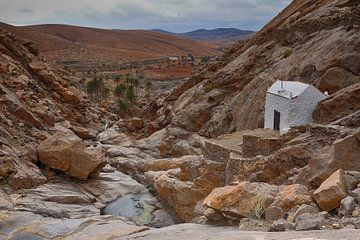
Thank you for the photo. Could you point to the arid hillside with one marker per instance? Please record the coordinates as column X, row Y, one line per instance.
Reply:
column 65, row 43
column 309, row 41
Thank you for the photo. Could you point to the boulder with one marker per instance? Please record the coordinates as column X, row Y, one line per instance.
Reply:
column 352, row 179
column 244, row 200
column 291, row 196
column 330, row 193
column 282, row 225
column 114, row 136
column 248, row 224
column 308, row 221
column 351, row 62
column 83, row 132
column 137, row 123
column 66, row 152
column 356, row 194
column 347, row 206
column 183, row 188
column 304, row 208
column 339, row 105
column 333, row 80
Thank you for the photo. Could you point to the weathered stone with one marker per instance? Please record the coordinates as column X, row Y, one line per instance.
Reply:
column 248, row 224
column 304, row 208
column 333, row 80
column 113, row 136
column 137, row 123
column 261, row 143
column 213, row 215
column 339, row 105
column 183, row 188
column 244, row 200
column 282, row 225
column 19, row 109
column 330, row 193
column 66, row 152
column 274, row 213
column 308, row 221
column 83, row 132
column 291, row 196
column 347, row 206
column 352, row 179
column 351, row 62
column 356, row 194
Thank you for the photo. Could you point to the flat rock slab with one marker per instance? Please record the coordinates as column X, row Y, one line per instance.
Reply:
column 203, row 232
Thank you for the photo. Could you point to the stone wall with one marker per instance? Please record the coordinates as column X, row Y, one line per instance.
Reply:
column 240, row 169
column 254, row 145
column 217, row 152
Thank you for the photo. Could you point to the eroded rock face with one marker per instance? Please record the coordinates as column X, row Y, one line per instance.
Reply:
column 171, row 142
column 289, row 197
column 339, row 105
column 336, row 79
column 66, row 152
column 243, row 200
column 330, row 193
column 183, row 188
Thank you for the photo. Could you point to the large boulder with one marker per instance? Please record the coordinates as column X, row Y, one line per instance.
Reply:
column 288, row 197
column 66, row 152
column 342, row 103
column 244, row 200
column 330, row 193
column 335, row 79
column 182, row 189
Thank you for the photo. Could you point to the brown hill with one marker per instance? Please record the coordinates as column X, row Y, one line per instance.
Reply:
column 73, row 43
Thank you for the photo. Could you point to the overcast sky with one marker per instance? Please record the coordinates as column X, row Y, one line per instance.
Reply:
column 171, row 15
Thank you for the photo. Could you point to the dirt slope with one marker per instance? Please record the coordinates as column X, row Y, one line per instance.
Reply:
column 72, row 43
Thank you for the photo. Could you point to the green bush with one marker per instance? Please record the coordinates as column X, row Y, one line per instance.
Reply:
column 120, row 90
column 123, row 106
column 130, row 93
column 96, row 89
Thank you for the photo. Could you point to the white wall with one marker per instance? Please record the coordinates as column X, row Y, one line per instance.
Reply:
column 280, row 104
column 302, row 107
column 294, row 112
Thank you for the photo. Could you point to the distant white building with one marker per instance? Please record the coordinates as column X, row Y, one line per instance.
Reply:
column 290, row 104
column 174, row 58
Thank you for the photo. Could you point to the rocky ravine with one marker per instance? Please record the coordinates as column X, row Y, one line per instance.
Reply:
column 64, row 175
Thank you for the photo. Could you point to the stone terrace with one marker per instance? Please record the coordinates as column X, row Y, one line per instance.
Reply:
column 241, row 150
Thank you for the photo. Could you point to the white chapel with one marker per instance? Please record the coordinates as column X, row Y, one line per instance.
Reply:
column 290, row 104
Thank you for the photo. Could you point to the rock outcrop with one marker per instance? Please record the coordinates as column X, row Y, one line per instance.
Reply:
column 330, row 193
column 66, row 152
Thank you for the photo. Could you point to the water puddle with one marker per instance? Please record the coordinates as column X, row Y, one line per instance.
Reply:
column 137, row 208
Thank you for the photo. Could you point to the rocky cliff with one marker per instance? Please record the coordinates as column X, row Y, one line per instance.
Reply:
column 315, row 42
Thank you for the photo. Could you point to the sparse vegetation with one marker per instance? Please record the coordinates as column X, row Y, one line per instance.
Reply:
column 208, row 86
column 96, row 89
column 259, row 208
column 287, row 53
column 205, row 59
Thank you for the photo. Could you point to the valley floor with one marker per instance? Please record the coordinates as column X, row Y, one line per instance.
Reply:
column 202, row 232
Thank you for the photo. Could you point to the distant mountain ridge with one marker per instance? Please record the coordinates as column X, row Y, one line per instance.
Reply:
column 216, row 35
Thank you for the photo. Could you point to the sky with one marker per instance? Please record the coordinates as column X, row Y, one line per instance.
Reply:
column 170, row 15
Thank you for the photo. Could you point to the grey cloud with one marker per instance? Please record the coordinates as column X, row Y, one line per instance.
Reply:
column 173, row 15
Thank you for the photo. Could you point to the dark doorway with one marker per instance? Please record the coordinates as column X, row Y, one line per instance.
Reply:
column 276, row 120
